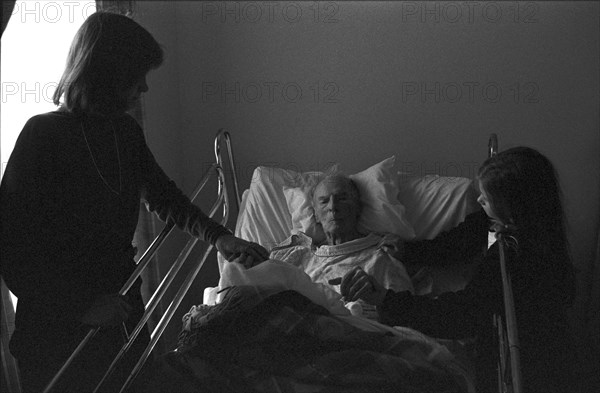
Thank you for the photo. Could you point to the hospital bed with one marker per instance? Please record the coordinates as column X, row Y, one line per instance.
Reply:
column 272, row 208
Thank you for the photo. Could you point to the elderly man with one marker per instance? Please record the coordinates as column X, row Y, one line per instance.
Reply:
column 337, row 207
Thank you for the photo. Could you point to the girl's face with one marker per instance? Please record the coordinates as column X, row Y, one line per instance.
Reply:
column 134, row 92
column 484, row 201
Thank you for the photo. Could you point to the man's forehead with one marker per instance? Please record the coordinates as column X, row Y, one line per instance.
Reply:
column 336, row 184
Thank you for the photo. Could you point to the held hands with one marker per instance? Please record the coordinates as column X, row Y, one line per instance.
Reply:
column 241, row 251
column 393, row 245
column 356, row 284
column 107, row 310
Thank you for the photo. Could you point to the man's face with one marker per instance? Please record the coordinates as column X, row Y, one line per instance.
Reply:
column 337, row 205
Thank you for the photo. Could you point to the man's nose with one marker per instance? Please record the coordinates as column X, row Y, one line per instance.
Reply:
column 332, row 205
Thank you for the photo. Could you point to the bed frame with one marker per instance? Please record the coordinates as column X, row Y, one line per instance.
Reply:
column 509, row 376
column 509, row 362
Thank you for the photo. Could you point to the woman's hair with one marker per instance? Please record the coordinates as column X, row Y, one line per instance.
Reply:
column 109, row 54
column 524, row 192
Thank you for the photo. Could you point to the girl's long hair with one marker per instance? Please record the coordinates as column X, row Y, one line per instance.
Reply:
column 524, row 192
column 108, row 55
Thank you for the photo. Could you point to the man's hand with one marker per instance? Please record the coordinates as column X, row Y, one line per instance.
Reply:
column 356, row 284
column 393, row 245
column 238, row 250
column 107, row 310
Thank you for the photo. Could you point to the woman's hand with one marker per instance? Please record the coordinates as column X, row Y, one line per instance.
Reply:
column 356, row 284
column 238, row 250
column 107, row 310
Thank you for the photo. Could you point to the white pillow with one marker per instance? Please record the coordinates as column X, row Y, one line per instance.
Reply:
column 381, row 210
column 434, row 203
column 303, row 213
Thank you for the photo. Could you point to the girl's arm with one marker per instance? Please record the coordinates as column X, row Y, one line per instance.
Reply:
column 457, row 245
column 452, row 314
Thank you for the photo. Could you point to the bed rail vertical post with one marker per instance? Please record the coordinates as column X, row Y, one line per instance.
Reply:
column 222, row 134
column 507, row 329
column 511, row 321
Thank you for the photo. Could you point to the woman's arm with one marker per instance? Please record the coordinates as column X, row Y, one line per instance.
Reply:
column 164, row 198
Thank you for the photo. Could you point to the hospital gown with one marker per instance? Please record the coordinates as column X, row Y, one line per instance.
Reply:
column 325, row 262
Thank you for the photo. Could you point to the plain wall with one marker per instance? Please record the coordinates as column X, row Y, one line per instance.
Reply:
column 426, row 81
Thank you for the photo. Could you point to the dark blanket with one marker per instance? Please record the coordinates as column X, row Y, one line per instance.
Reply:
column 261, row 340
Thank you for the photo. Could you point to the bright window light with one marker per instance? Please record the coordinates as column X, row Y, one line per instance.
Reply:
column 35, row 45
column 34, row 50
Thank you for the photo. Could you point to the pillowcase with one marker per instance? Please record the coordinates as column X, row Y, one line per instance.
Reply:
column 381, row 210
column 434, row 203
column 303, row 213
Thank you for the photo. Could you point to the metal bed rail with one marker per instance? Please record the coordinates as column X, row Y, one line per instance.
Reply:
column 509, row 362
column 222, row 200
column 510, row 337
